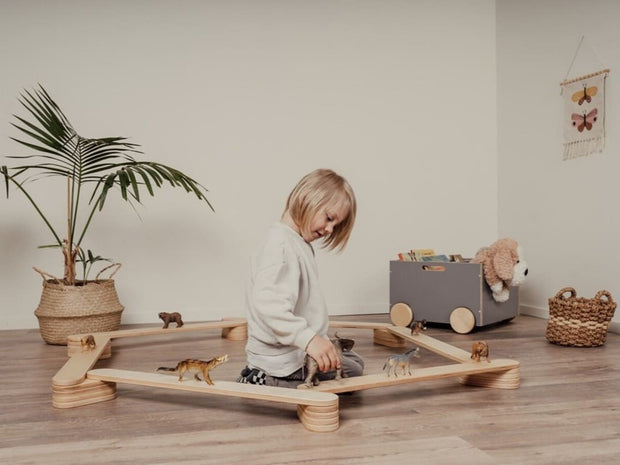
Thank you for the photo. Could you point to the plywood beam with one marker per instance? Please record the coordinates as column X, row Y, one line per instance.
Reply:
column 372, row 381
column 318, row 411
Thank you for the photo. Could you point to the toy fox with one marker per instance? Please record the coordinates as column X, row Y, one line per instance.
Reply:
column 197, row 366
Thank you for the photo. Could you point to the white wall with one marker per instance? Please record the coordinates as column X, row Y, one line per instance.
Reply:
column 248, row 96
column 563, row 212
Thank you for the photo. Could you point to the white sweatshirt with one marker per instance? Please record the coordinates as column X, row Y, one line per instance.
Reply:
column 285, row 305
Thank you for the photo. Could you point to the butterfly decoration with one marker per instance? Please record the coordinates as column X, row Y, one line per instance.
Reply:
column 583, row 120
column 584, row 95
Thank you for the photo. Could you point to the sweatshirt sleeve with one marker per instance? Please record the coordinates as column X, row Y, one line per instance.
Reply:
column 274, row 295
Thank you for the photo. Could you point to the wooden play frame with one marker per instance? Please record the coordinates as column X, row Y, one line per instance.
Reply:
column 77, row 383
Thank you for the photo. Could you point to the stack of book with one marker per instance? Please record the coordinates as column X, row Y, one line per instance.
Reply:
column 428, row 255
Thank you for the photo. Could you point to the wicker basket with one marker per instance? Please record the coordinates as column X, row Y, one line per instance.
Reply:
column 87, row 307
column 577, row 321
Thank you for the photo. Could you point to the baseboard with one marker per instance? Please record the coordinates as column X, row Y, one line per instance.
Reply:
column 534, row 311
column 614, row 327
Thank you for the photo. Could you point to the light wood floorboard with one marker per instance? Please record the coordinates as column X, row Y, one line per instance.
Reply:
column 565, row 412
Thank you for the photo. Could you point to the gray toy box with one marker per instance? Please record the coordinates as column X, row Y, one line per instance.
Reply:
column 446, row 292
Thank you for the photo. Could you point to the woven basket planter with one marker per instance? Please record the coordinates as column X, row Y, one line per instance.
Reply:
column 578, row 321
column 87, row 307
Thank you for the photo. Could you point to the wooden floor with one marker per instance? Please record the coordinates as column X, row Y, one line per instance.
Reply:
column 565, row 412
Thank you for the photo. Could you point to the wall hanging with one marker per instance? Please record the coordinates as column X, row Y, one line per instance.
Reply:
column 584, row 112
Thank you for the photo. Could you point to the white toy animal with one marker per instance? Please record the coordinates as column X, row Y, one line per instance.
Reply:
column 402, row 361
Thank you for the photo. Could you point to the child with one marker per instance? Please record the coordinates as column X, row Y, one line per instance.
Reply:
column 287, row 315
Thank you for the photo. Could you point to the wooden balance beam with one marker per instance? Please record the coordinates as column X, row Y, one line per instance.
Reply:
column 77, row 383
column 360, row 383
column 318, row 411
column 71, row 388
column 500, row 374
column 81, row 360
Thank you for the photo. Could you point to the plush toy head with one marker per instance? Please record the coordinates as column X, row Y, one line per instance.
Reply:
column 503, row 266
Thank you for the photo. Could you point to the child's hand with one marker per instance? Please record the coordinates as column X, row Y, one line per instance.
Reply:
column 324, row 352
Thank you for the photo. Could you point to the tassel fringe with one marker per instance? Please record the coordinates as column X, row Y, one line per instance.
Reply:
column 582, row 148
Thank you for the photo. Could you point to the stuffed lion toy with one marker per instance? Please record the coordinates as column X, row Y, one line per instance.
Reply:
column 503, row 266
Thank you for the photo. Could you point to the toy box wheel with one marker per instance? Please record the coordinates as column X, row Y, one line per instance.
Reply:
column 462, row 320
column 401, row 314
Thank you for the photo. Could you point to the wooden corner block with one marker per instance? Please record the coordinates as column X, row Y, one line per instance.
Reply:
column 387, row 338
column 508, row 379
column 319, row 419
column 87, row 392
column 236, row 333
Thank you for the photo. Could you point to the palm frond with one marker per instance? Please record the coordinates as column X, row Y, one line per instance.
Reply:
column 51, row 135
column 148, row 174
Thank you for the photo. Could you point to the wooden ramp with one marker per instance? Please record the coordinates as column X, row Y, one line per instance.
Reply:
column 318, row 411
column 440, row 348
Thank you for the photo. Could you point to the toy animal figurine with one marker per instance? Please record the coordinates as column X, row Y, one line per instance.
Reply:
column 503, row 266
column 197, row 366
column 88, row 343
column 174, row 317
column 312, row 368
column 402, row 361
column 480, row 349
column 417, row 326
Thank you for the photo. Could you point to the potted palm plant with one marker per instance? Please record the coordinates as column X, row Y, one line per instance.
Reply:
column 90, row 169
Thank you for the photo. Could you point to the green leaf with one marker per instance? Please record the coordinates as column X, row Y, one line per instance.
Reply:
column 145, row 178
column 134, row 184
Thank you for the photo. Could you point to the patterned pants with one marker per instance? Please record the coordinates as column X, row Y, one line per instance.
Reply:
column 352, row 365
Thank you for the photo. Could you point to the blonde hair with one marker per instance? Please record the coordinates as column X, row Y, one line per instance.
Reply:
column 317, row 190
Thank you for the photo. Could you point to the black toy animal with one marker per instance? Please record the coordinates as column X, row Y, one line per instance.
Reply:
column 312, row 368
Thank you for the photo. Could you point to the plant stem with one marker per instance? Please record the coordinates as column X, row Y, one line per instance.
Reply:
column 67, row 249
column 90, row 217
column 73, row 201
column 69, row 237
column 75, row 198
